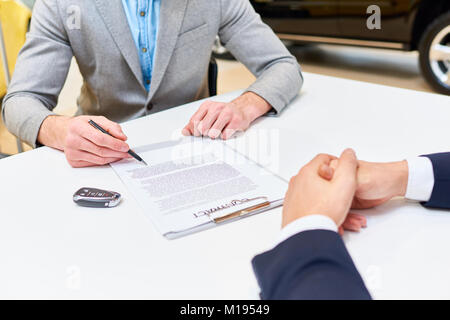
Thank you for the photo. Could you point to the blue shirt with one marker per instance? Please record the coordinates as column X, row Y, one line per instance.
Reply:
column 143, row 18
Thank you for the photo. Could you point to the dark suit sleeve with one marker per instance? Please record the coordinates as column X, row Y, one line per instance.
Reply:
column 440, row 197
column 310, row 265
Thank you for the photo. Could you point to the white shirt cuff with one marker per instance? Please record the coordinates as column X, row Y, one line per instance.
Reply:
column 312, row 222
column 420, row 179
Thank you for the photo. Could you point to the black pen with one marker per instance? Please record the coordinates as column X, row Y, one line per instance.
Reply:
column 130, row 152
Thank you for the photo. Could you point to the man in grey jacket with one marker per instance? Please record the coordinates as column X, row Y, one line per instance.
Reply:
column 139, row 57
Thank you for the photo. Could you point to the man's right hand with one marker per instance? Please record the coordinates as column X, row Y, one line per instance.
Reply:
column 83, row 145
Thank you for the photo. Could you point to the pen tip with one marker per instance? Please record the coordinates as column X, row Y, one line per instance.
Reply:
column 143, row 161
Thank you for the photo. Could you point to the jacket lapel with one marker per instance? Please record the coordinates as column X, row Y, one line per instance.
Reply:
column 116, row 21
column 170, row 22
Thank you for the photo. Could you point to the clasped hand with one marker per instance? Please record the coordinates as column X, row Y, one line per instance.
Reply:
column 332, row 186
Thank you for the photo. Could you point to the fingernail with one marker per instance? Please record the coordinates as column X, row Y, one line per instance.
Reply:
column 329, row 172
column 214, row 133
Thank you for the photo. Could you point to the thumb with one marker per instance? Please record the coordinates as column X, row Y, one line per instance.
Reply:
column 347, row 166
column 344, row 182
column 326, row 172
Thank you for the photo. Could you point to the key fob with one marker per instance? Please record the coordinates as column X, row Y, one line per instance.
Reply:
column 96, row 198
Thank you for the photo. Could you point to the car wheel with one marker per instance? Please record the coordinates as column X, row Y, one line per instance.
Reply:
column 434, row 54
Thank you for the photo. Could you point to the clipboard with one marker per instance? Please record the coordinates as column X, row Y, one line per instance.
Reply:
column 180, row 196
column 245, row 209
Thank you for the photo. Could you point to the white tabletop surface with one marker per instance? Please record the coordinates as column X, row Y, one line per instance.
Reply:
column 51, row 248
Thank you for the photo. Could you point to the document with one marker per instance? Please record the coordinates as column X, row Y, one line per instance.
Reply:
column 191, row 183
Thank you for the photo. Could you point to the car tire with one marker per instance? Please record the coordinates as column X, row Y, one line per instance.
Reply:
column 433, row 54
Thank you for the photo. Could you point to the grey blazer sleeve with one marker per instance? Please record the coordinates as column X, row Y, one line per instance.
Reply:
column 252, row 42
column 40, row 73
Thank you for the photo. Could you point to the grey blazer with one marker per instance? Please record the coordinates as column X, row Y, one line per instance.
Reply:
column 96, row 32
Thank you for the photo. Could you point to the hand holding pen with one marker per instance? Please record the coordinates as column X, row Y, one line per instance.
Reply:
column 130, row 152
column 84, row 145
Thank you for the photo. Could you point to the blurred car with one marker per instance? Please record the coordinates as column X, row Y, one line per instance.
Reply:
column 408, row 25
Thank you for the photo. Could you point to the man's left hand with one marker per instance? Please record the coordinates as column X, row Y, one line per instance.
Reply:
column 377, row 182
column 217, row 119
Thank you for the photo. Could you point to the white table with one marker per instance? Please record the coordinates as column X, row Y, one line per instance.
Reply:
column 50, row 248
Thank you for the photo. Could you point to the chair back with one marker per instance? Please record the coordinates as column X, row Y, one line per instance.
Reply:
column 212, row 77
column 14, row 18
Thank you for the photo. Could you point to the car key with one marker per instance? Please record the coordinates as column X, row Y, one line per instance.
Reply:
column 96, row 198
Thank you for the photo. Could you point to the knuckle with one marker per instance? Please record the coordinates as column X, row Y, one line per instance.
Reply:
column 321, row 156
column 100, row 151
column 73, row 164
column 95, row 159
column 118, row 145
column 73, row 126
column 211, row 106
column 70, row 159
column 227, row 113
column 292, row 181
column 195, row 118
column 68, row 153
column 70, row 140
column 77, row 143
column 235, row 124
column 304, row 170
column 102, row 139
column 237, row 117
column 221, row 106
